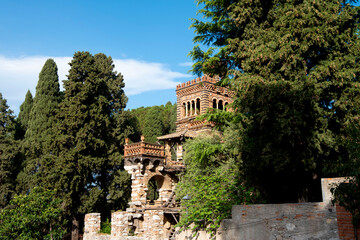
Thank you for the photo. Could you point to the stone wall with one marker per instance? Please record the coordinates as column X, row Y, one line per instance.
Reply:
column 285, row 221
column 92, row 228
column 281, row 221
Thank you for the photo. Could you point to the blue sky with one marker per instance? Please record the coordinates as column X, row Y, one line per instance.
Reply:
column 148, row 40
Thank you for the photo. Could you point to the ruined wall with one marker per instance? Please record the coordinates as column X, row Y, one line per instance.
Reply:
column 92, row 228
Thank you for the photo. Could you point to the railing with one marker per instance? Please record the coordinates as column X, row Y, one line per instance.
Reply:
column 170, row 163
column 143, row 148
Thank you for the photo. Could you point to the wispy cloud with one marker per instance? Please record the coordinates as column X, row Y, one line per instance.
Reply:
column 17, row 75
column 186, row 64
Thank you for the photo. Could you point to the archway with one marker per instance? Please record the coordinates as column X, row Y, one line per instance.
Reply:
column 154, row 185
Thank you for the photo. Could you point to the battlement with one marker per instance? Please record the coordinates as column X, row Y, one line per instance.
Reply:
column 204, row 78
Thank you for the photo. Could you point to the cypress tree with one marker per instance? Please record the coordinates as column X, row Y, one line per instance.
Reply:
column 86, row 144
column 40, row 132
column 9, row 153
column 24, row 114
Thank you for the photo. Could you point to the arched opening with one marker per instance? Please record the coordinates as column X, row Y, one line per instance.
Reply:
column 188, row 109
column 226, row 106
column 183, row 110
column 214, row 104
column 220, row 105
column 154, row 185
column 197, row 106
column 192, row 108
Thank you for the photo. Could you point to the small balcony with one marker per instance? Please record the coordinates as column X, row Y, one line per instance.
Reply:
column 144, row 149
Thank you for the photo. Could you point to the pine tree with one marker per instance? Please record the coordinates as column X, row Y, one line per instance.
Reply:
column 24, row 114
column 9, row 154
column 40, row 132
column 294, row 67
column 87, row 142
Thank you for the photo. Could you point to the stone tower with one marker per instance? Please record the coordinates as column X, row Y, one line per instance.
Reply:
column 154, row 167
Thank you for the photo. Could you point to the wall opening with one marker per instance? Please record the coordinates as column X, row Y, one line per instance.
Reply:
column 220, row 105
column 214, row 104
column 197, row 106
column 183, row 110
column 154, row 185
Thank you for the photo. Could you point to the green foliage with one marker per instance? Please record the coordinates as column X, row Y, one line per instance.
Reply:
column 33, row 216
column 41, row 120
column 90, row 137
column 213, row 181
column 212, row 197
column 294, row 68
column 105, row 227
column 154, row 121
column 10, row 157
column 40, row 129
column 200, row 151
column 24, row 114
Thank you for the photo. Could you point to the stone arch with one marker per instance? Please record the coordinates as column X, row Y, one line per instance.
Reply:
column 154, row 185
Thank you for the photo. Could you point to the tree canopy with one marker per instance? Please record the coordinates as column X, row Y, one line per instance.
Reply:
column 36, row 215
column 295, row 70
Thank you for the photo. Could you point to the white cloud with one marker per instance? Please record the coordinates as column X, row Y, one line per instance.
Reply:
column 143, row 76
column 17, row 75
column 186, row 64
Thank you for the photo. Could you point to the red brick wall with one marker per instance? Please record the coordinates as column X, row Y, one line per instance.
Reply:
column 346, row 230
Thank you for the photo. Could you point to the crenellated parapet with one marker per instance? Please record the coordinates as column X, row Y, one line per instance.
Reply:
column 204, row 78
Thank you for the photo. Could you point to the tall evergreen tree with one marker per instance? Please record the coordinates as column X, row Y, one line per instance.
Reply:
column 153, row 126
column 24, row 114
column 40, row 130
column 294, row 67
column 9, row 153
column 87, row 136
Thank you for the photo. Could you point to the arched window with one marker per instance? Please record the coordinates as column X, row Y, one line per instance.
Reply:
column 220, row 105
column 226, row 105
column 197, row 106
column 183, row 110
column 214, row 104
column 188, row 109
column 192, row 107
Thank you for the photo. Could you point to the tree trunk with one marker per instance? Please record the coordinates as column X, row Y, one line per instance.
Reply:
column 75, row 229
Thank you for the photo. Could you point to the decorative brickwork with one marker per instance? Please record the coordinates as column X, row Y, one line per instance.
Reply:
column 196, row 96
